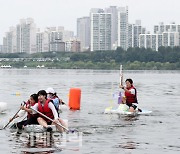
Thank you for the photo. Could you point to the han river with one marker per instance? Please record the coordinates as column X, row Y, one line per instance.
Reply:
column 99, row 133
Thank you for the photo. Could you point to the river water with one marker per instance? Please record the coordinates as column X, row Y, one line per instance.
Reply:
column 156, row 133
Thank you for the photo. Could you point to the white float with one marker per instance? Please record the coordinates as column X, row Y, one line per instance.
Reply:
column 3, row 107
column 117, row 111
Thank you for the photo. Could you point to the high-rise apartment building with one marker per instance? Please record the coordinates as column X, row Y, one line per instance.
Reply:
column 83, row 32
column 26, row 36
column 55, row 41
column 161, row 28
column 9, row 41
column 42, row 42
column 170, row 39
column 145, row 41
column 1, row 48
column 100, row 30
column 134, row 31
column 123, row 27
column 114, row 24
column 154, row 41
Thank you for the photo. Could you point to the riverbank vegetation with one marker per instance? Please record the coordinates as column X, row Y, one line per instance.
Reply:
column 132, row 59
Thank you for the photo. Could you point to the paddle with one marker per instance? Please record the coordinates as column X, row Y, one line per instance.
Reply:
column 121, row 76
column 121, row 83
column 49, row 119
column 14, row 116
column 119, row 95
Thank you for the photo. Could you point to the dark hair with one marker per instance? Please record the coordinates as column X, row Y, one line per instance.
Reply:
column 130, row 80
column 42, row 92
column 55, row 94
column 35, row 97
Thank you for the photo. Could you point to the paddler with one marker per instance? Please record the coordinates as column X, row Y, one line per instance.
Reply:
column 130, row 93
column 31, row 119
column 46, row 107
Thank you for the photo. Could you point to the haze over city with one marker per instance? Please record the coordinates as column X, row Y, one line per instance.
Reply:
column 65, row 12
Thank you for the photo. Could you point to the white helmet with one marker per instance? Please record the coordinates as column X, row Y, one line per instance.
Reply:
column 50, row 90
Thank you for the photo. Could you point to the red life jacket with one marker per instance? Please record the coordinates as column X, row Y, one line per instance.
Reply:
column 28, row 105
column 131, row 98
column 45, row 110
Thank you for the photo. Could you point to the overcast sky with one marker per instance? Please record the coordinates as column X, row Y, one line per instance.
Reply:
column 65, row 12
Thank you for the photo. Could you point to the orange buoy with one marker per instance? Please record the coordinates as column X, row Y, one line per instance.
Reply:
column 74, row 98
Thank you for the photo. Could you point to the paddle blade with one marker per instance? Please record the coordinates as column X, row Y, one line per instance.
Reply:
column 119, row 98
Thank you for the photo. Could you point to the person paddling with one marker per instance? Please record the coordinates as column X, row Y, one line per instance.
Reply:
column 46, row 107
column 31, row 119
column 51, row 94
column 130, row 94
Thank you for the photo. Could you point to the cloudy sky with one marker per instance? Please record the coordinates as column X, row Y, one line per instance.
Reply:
column 65, row 12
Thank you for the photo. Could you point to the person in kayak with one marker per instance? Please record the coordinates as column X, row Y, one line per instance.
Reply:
column 47, row 107
column 52, row 95
column 130, row 94
column 31, row 119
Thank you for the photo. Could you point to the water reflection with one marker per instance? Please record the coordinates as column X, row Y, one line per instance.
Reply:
column 45, row 142
column 155, row 133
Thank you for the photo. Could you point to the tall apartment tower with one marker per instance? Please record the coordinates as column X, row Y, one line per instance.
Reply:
column 9, row 41
column 134, row 31
column 154, row 41
column 83, row 32
column 114, row 24
column 123, row 27
column 100, row 30
column 55, row 38
column 1, row 48
column 170, row 39
column 42, row 42
column 167, row 31
column 56, row 44
column 26, row 36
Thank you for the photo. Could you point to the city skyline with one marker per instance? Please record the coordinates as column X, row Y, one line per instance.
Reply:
column 65, row 13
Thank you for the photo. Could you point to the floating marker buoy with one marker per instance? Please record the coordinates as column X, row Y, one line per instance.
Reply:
column 74, row 98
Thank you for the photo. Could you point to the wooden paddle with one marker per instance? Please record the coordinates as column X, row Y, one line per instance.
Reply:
column 49, row 119
column 14, row 116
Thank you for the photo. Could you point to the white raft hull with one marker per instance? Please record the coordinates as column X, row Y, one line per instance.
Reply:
column 116, row 111
column 38, row 128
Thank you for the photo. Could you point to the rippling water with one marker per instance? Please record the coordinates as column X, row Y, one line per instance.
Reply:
column 156, row 133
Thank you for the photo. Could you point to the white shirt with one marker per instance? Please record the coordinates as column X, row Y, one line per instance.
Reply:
column 21, row 113
column 132, row 91
column 50, row 105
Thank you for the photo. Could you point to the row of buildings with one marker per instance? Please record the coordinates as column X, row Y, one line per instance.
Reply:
column 109, row 28
column 103, row 29
column 26, row 37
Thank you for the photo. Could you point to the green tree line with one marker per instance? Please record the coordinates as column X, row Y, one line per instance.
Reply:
column 171, row 55
column 133, row 59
